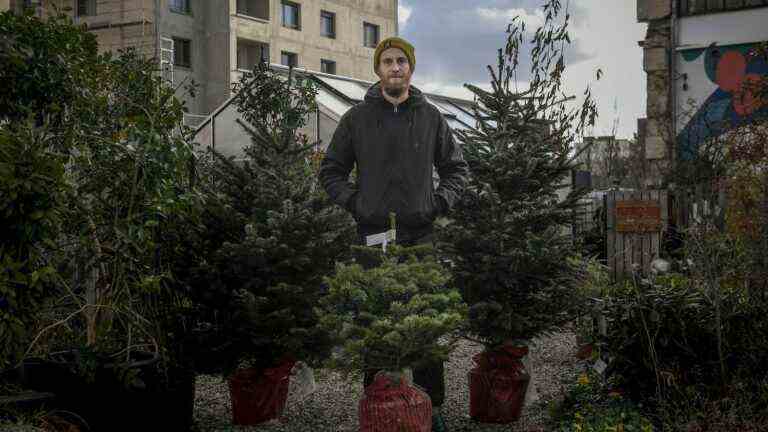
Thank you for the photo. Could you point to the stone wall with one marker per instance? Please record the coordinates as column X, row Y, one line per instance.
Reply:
column 656, row 64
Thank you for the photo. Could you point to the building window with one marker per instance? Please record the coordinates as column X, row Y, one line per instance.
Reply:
column 291, row 15
column 328, row 66
column 180, row 6
column 254, row 8
column 327, row 24
column 695, row 7
column 289, row 59
column 370, row 35
column 182, row 52
column 250, row 53
column 86, row 7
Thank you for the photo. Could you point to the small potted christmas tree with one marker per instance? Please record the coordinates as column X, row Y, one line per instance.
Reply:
column 507, row 238
column 266, row 236
column 389, row 319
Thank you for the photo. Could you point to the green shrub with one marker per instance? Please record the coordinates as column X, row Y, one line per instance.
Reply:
column 45, row 66
column 31, row 193
column 592, row 405
column 93, row 226
column 662, row 336
column 742, row 406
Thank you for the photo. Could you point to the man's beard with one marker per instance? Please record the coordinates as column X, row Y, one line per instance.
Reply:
column 394, row 90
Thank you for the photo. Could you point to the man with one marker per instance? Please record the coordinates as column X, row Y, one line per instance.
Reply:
column 396, row 139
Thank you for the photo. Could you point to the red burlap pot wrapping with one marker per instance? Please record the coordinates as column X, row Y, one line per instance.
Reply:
column 394, row 406
column 497, row 385
column 259, row 395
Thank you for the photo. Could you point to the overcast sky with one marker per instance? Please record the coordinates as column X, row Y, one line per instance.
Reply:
column 456, row 39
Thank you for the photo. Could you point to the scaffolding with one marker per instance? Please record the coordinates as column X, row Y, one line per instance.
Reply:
column 166, row 60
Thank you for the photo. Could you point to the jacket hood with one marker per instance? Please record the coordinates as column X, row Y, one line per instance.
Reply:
column 415, row 96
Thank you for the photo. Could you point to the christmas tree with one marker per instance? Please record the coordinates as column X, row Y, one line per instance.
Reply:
column 266, row 235
column 507, row 238
column 392, row 316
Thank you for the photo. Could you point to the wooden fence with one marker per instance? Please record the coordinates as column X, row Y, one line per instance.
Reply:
column 635, row 222
column 689, row 206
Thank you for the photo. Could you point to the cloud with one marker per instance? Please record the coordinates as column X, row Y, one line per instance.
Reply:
column 532, row 20
column 456, row 39
column 403, row 14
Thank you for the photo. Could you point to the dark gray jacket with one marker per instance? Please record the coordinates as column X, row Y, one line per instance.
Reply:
column 395, row 150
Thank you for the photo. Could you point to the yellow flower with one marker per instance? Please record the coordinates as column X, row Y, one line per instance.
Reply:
column 583, row 379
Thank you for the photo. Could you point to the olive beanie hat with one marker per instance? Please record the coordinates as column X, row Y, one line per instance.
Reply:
column 394, row 42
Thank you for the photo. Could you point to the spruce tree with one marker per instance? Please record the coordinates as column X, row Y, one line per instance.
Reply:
column 508, row 239
column 267, row 234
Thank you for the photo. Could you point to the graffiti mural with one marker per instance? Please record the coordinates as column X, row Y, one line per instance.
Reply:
column 717, row 80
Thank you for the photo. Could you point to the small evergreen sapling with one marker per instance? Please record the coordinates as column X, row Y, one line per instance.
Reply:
column 392, row 316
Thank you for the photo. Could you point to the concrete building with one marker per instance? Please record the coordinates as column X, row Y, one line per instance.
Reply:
column 698, row 56
column 212, row 41
column 601, row 156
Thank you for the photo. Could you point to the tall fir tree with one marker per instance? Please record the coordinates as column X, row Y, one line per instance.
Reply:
column 508, row 239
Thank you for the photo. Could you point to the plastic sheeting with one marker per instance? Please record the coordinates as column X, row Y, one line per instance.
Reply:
column 391, row 404
column 258, row 396
column 498, row 385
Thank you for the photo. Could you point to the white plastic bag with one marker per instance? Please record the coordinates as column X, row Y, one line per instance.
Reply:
column 531, row 395
column 302, row 383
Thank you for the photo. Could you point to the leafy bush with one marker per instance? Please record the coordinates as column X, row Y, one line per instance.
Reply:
column 116, row 128
column 391, row 316
column 743, row 407
column 32, row 188
column 46, row 66
column 592, row 405
column 663, row 336
column 593, row 282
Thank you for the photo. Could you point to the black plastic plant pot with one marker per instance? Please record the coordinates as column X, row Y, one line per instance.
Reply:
column 25, row 402
column 139, row 396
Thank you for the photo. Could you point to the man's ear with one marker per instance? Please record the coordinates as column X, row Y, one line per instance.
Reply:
column 376, row 71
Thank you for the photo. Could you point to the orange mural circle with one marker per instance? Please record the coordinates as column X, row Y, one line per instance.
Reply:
column 730, row 71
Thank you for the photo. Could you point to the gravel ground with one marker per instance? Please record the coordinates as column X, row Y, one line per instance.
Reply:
column 333, row 407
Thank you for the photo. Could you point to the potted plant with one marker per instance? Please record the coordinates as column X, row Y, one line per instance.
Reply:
column 392, row 318
column 264, row 238
column 114, row 125
column 508, row 239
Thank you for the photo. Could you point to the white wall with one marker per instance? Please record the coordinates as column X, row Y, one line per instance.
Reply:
column 729, row 28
